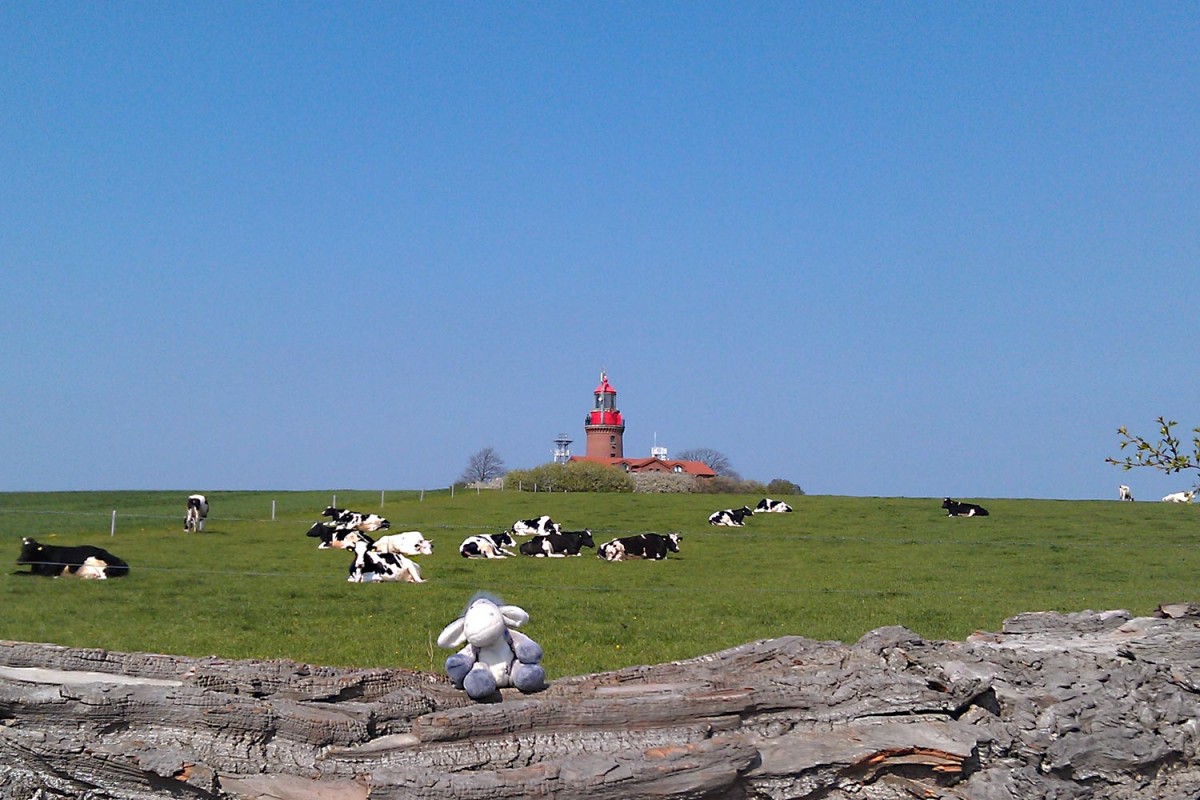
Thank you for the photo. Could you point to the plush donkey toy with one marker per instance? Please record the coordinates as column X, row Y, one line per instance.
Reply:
column 496, row 655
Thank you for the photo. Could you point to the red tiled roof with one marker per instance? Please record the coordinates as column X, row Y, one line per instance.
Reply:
column 698, row 468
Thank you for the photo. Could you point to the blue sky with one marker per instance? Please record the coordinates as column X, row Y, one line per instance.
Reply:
column 876, row 249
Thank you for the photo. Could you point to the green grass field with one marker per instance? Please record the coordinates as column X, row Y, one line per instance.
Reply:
column 253, row 587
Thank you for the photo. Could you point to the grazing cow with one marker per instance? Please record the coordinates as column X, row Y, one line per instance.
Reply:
column 535, row 527
column 81, row 561
column 768, row 505
column 367, row 523
column 652, row 546
column 1179, row 497
column 1125, row 492
column 558, row 545
column 197, row 512
column 370, row 566
column 956, row 509
column 408, row 543
column 488, row 545
column 336, row 536
column 735, row 517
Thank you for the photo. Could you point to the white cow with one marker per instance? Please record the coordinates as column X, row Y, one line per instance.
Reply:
column 488, row 545
column 369, row 566
column 197, row 512
column 1126, row 492
column 408, row 543
column 1179, row 497
column 539, row 526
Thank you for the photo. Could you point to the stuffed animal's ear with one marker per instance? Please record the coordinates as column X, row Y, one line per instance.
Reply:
column 514, row 616
column 453, row 635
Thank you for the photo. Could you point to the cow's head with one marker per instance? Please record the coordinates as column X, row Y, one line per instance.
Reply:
column 673, row 540
column 29, row 550
column 585, row 538
column 611, row 551
column 332, row 512
column 504, row 539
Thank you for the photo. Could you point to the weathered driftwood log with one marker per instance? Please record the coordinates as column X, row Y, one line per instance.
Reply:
column 1085, row 705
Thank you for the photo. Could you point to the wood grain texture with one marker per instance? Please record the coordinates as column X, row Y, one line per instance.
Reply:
column 1083, row 705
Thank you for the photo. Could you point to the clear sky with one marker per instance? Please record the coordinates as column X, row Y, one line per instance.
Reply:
column 878, row 249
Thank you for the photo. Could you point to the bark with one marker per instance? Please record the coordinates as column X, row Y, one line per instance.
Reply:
column 1084, row 705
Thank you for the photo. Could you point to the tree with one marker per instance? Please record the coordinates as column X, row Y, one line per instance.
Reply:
column 483, row 466
column 717, row 461
column 1163, row 455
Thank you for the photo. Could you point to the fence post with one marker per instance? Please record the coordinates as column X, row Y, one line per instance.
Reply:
column 272, row 511
column 381, row 498
column 113, row 530
column 422, row 500
column 452, row 490
column 334, row 504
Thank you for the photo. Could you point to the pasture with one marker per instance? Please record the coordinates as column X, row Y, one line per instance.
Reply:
column 250, row 586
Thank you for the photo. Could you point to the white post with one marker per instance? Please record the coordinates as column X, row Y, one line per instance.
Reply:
column 422, row 500
column 334, row 504
column 113, row 530
column 381, row 498
column 272, row 511
column 452, row 490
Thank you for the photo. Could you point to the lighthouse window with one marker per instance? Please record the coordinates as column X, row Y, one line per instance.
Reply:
column 612, row 440
column 677, row 468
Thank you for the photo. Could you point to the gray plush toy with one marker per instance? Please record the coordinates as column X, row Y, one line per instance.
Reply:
column 495, row 655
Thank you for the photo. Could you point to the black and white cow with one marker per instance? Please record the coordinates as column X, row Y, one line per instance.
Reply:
column 771, row 506
column 956, row 509
column 367, row 523
column 335, row 536
column 488, row 545
column 731, row 516
column 370, row 566
column 535, row 527
column 197, row 512
column 408, row 543
column 652, row 546
column 1125, row 493
column 80, row 561
column 558, row 545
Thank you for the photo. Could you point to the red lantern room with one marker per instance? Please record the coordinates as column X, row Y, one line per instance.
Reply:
column 604, row 425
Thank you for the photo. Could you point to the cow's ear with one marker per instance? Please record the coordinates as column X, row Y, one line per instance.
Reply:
column 514, row 615
column 453, row 635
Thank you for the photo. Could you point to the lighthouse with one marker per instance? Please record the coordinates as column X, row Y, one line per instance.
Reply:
column 604, row 425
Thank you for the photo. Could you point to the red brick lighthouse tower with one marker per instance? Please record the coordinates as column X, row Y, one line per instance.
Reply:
column 604, row 425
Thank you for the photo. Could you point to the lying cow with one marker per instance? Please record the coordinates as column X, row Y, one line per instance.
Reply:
column 652, row 546
column 956, row 509
column 558, row 545
column 197, row 512
column 367, row 523
column 408, row 543
column 1125, row 492
column 735, row 517
column 80, row 561
column 1179, row 497
column 336, row 536
column 535, row 527
column 370, row 566
column 488, row 545
column 767, row 505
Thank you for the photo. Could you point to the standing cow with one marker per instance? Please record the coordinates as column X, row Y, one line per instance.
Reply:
column 197, row 512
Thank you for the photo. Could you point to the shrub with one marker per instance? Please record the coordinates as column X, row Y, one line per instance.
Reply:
column 664, row 483
column 577, row 476
column 726, row 485
column 780, row 486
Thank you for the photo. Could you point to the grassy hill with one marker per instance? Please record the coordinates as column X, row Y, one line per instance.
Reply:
column 251, row 586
